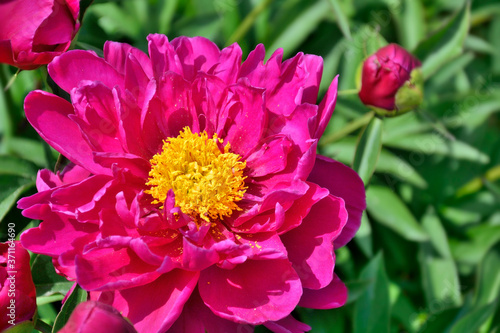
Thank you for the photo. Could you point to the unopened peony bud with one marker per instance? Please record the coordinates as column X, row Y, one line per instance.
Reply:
column 17, row 290
column 95, row 317
column 391, row 81
column 32, row 32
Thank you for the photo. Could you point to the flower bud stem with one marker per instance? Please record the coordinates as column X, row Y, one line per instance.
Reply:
column 43, row 326
column 347, row 92
column 12, row 80
column 347, row 129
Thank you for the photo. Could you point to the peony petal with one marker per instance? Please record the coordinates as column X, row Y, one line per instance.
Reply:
column 20, row 19
column 310, row 246
column 163, row 56
column 166, row 297
column 332, row 296
column 243, row 294
column 56, row 234
column 287, row 325
column 196, row 317
column 48, row 114
column 117, row 54
column 195, row 54
column 118, row 266
column 69, row 69
column 58, row 28
column 271, row 157
column 326, row 108
column 229, row 64
column 243, row 134
column 345, row 183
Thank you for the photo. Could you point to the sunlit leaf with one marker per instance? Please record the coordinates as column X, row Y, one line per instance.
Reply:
column 368, row 150
column 388, row 209
column 372, row 310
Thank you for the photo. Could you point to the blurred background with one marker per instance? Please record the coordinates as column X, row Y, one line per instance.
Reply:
column 427, row 257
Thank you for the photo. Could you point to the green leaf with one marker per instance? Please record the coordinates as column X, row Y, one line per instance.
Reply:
column 398, row 167
column 473, row 320
column 368, row 150
column 480, row 239
column 10, row 165
column 343, row 151
column 433, row 144
column 298, row 31
column 342, row 18
column 11, row 188
column 372, row 310
column 439, row 273
column 29, row 150
column 363, row 237
column 488, row 279
column 440, row 321
column 411, row 24
column 47, row 281
column 77, row 296
column 445, row 44
column 24, row 327
column 388, row 209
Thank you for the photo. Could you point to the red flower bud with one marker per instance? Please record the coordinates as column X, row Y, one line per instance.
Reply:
column 32, row 33
column 95, row 317
column 17, row 290
column 384, row 73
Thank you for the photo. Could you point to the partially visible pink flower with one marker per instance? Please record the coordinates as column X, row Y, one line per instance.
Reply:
column 17, row 290
column 384, row 73
column 96, row 317
column 194, row 199
column 32, row 33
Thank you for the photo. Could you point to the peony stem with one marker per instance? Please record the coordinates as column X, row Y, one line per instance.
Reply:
column 347, row 129
column 248, row 22
column 43, row 326
column 12, row 80
column 347, row 92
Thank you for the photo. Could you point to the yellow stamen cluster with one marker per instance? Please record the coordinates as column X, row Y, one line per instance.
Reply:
column 207, row 182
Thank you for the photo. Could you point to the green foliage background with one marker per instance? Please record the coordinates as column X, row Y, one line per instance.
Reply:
column 427, row 257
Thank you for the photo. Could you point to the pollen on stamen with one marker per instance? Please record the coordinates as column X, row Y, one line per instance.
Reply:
column 206, row 178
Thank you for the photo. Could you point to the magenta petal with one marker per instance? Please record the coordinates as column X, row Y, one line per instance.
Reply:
column 345, row 183
column 229, row 64
column 326, row 108
column 243, row 294
column 67, row 70
column 166, row 297
column 49, row 116
column 58, row 28
column 244, row 134
column 118, row 266
column 95, row 317
column 332, row 296
column 116, row 55
column 163, row 56
column 196, row 317
column 195, row 54
column 314, row 65
column 55, row 235
column 271, row 157
column 287, row 325
column 310, row 245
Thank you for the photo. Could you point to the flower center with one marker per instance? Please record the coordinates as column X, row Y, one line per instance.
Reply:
column 206, row 178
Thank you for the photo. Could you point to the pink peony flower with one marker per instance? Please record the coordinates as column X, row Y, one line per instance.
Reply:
column 194, row 199
column 17, row 290
column 96, row 317
column 388, row 81
column 32, row 33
